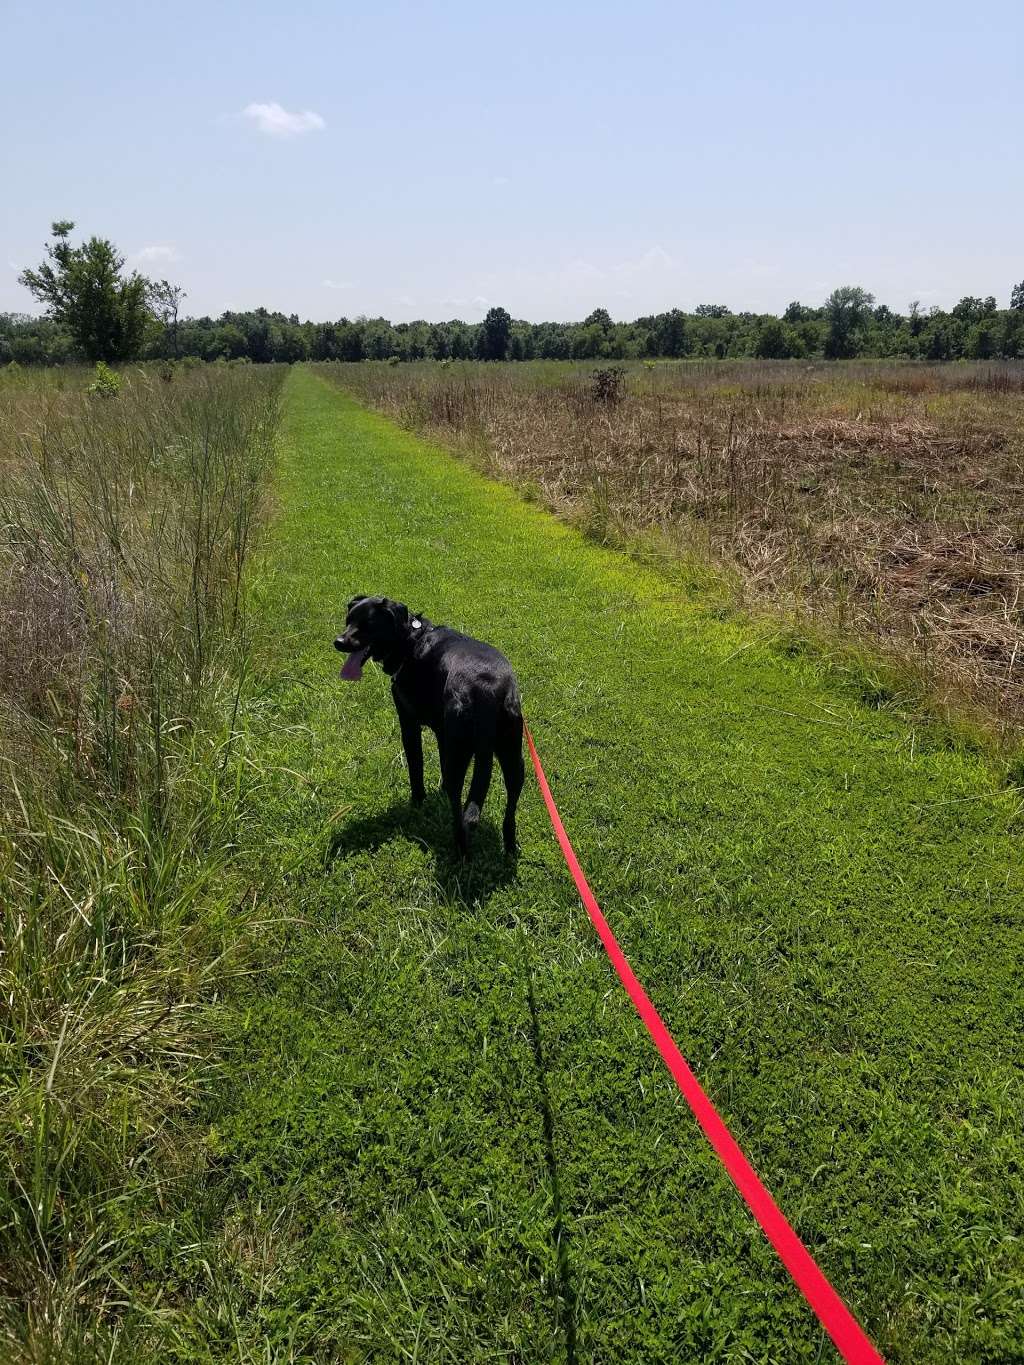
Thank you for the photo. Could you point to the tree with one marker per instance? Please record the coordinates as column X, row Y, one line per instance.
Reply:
column 970, row 309
column 670, row 335
column 847, row 312
column 229, row 341
column 773, row 341
column 495, row 334
column 938, row 341
column 85, row 291
column 165, row 301
column 1017, row 296
column 981, row 341
column 711, row 310
column 600, row 317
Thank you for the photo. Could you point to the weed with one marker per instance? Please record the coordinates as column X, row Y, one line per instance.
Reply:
column 105, row 383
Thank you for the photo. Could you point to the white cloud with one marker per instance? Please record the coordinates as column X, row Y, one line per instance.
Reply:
column 499, row 180
column 156, row 255
column 337, row 284
column 275, row 121
column 481, row 304
column 14, row 265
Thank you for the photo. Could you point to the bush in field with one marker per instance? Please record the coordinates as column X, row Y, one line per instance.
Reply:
column 105, row 382
column 606, row 385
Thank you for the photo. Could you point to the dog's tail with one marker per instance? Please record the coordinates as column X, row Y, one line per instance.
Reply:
column 512, row 703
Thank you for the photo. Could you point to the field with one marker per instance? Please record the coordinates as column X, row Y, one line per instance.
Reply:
column 404, row 1111
column 883, row 503
column 127, row 524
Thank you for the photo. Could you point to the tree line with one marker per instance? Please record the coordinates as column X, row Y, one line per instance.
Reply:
column 95, row 310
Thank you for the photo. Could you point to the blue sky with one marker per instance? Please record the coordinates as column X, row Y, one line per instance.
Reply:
column 429, row 160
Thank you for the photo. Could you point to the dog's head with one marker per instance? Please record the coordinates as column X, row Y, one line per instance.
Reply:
column 375, row 628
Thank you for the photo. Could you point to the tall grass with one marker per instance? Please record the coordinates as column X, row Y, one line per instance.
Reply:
column 882, row 501
column 127, row 522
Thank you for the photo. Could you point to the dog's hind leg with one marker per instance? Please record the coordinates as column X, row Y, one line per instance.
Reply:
column 483, row 762
column 510, row 756
column 456, row 754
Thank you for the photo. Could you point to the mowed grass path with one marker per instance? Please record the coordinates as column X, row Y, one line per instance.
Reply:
column 447, row 1124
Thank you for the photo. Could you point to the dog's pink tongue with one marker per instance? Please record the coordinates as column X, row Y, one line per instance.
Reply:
column 353, row 667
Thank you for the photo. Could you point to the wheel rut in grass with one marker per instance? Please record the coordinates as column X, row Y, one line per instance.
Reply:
column 828, row 917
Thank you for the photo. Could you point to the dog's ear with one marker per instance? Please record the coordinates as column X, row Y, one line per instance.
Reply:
column 399, row 612
column 359, row 597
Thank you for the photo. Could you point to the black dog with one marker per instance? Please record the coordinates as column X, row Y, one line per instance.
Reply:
column 464, row 690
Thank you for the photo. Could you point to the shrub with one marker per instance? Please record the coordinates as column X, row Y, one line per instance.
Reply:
column 606, row 385
column 105, row 382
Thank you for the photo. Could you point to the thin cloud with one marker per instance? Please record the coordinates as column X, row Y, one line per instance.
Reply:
column 156, row 255
column 654, row 259
column 583, row 270
column 337, row 284
column 276, row 121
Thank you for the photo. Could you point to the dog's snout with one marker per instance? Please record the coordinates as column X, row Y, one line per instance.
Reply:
column 339, row 642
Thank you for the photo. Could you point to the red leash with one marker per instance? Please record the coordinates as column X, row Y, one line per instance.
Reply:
column 837, row 1320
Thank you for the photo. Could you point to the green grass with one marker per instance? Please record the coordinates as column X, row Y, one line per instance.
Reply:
column 444, row 1134
column 126, row 527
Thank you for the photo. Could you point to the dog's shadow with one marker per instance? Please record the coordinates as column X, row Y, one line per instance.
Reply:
column 467, row 880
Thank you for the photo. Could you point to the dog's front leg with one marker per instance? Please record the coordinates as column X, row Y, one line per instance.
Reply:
column 412, row 742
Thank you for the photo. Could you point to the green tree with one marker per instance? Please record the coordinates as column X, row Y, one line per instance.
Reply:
column 229, row 341
column 670, row 334
column 982, row 342
column 84, row 290
column 773, row 341
column 847, row 313
column 495, row 335
column 971, row 309
column 1017, row 296
column 938, row 340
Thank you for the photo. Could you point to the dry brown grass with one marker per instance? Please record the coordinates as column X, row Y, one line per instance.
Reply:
column 883, row 501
